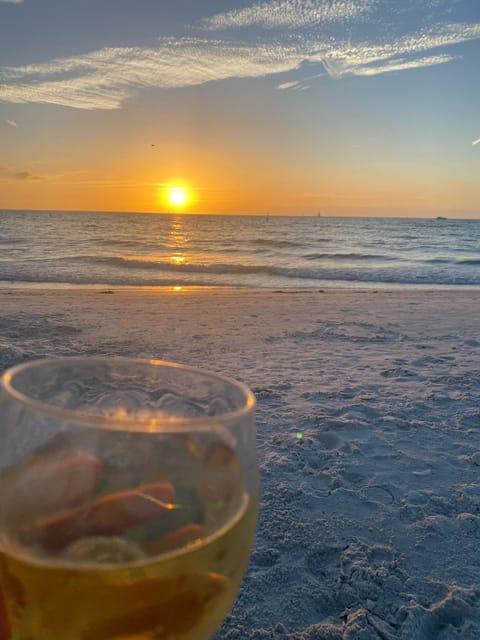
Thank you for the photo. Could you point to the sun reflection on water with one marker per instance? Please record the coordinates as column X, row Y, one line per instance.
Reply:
column 178, row 237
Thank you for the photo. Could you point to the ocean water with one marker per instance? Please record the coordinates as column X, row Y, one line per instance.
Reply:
column 129, row 249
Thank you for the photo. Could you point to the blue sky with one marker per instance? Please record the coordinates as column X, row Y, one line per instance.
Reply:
column 349, row 106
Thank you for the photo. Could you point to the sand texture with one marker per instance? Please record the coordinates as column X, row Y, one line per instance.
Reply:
column 368, row 439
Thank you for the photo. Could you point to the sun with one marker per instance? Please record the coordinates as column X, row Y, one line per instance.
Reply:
column 178, row 196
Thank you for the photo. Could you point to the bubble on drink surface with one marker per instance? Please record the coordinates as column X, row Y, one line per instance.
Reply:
column 103, row 550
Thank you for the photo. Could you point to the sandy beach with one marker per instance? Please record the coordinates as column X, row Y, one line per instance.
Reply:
column 368, row 440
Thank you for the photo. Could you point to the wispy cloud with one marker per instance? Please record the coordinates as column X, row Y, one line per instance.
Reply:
column 13, row 174
column 300, row 85
column 401, row 64
column 12, row 123
column 12, row 1
column 290, row 14
column 475, row 142
column 364, row 58
column 106, row 78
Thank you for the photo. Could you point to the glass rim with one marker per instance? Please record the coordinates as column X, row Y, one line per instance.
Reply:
column 151, row 419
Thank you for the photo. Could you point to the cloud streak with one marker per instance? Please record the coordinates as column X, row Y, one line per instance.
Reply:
column 106, row 78
column 365, row 58
column 399, row 64
column 9, row 174
column 475, row 142
column 290, row 14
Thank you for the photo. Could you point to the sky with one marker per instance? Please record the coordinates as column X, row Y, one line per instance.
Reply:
column 289, row 107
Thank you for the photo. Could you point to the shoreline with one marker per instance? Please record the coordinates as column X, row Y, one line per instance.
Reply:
column 199, row 288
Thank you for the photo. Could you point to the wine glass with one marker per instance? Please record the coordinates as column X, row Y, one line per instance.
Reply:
column 128, row 499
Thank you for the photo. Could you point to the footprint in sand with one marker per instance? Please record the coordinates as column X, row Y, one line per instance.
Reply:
column 378, row 494
column 264, row 557
column 328, row 440
column 324, row 561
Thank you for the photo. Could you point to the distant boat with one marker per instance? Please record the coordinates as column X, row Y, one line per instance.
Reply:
column 441, row 218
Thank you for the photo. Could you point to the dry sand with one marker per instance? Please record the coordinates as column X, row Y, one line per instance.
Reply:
column 368, row 438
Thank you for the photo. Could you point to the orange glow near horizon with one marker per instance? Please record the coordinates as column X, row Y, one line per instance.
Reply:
column 272, row 192
column 257, row 187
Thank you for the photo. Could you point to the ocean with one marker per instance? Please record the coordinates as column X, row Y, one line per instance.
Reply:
column 177, row 250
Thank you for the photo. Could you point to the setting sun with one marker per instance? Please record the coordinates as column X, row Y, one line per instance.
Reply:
column 178, row 196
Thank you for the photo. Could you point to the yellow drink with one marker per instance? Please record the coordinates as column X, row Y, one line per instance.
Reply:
column 65, row 578
column 182, row 594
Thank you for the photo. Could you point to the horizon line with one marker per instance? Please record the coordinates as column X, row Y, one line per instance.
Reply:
column 433, row 216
